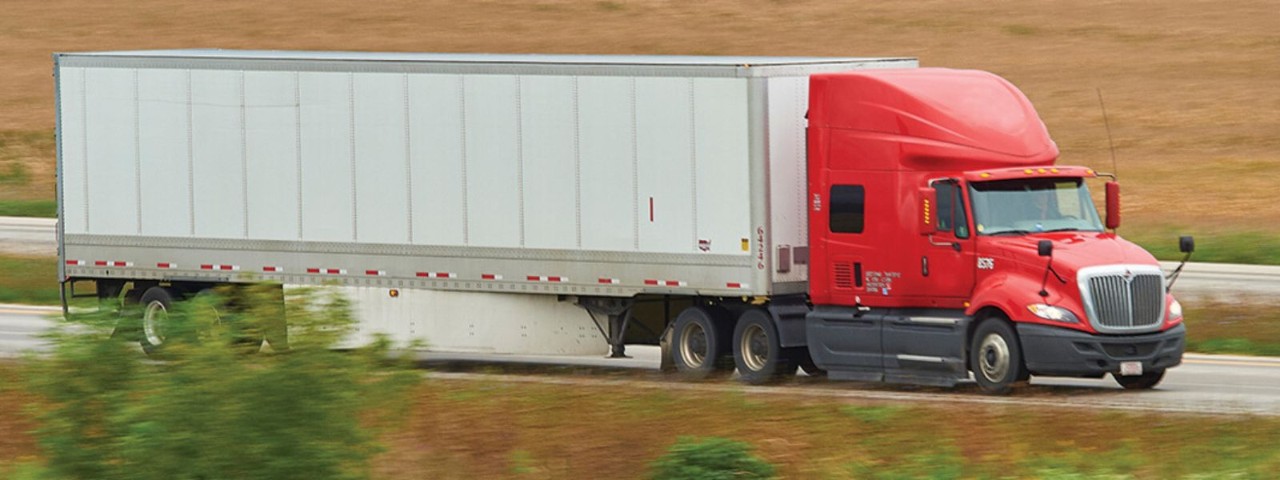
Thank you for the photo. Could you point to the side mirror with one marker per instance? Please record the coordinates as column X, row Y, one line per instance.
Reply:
column 1113, row 205
column 1186, row 244
column 1044, row 248
column 928, row 205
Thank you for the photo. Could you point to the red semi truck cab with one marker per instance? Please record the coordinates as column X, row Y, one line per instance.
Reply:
column 945, row 240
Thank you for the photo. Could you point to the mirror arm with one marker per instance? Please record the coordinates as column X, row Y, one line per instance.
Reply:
column 1173, row 277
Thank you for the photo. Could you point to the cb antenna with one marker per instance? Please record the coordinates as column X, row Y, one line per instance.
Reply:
column 1110, row 142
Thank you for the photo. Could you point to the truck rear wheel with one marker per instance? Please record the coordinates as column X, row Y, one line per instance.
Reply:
column 1146, row 381
column 757, row 351
column 995, row 357
column 701, row 344
column 156, row 303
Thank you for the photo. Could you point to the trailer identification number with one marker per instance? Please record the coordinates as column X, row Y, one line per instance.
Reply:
column 986, row 263
column 760, row 248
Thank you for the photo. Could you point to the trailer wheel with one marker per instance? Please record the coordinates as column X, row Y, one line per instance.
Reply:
column 156, row 303
column 701, row 349
column 757, row 351
column 1146, row 381
column 995, row 357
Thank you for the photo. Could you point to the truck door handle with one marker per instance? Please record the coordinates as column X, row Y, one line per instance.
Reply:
column 954, row 245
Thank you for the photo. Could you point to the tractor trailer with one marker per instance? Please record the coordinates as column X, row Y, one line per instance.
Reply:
column 861, row 218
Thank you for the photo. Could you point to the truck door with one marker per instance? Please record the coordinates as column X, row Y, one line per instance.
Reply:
column 849, row 223
column 947, row 261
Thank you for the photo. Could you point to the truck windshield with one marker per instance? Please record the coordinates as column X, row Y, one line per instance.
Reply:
column 1033, row 205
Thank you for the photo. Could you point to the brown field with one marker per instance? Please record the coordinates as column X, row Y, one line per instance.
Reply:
column 1190, row 86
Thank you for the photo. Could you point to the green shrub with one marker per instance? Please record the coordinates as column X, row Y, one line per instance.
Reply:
column 710, row 459
column 215, row 407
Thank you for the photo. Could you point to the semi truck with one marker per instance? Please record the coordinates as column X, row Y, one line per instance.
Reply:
column 860, row 218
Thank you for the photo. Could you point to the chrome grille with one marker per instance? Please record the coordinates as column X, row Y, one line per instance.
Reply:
column 1120, row 303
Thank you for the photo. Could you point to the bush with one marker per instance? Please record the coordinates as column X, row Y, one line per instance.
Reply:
column 214, row 407
column 710, row 459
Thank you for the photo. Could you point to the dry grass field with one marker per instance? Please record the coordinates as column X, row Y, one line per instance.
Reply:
column 1190, row 86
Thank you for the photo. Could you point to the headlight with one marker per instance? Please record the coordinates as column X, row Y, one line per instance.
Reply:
column 1050, row 312
column 1175, row 310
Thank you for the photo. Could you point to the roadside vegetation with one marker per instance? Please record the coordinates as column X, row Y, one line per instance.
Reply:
column 1248, row 326
column 215, row 402
column 461, row 429
column 28, row 280
column 219, row 404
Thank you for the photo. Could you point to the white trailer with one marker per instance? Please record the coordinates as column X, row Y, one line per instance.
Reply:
column 493, row 193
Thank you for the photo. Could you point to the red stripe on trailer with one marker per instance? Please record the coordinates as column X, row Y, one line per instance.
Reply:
column 121, row 264
column 228, row 267
column 490, row 276
column 376, row 273
column 272, row 269
column 313, row 270
column 736, row 285
column 166, row 265
column 665, row 283
column 100, row 263
column 533, row 278
column 335, row 271
column 612, row 281
column 206, row 266
column 75, row 262
column 436, row 275
column 555, row 279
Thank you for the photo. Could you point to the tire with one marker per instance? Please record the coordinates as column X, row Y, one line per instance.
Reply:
column 995, row 357
column 155, row 303
column 757, row 351
column 802, row 358
column 700, row 347
column 1146, row 381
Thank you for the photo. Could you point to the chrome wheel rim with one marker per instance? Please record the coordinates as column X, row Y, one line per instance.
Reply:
column 153, row 320
column 693, row 345
column 754, row 347
column 993, row 357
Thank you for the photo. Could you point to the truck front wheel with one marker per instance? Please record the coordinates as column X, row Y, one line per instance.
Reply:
column 701, row 344
column 757, row 351
column 995, row 357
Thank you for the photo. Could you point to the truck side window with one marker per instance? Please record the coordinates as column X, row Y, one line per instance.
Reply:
column 951, row 216
column 848, row 207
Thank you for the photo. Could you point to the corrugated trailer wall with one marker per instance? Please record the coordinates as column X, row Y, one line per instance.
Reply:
column 567, row 181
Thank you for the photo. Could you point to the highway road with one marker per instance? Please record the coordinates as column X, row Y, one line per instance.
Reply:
column 36, row 236
column 1208, row 384
column 28, row 236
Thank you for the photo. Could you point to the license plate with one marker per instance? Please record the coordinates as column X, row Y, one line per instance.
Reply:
column 1130, row 369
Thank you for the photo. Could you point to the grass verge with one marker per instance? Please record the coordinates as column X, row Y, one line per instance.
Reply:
column 28, row 208
column 1246, row 327
column 1231, row 246
column 29, row 280
column 470, row 429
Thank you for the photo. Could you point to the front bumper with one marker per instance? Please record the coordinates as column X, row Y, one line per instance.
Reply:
column 1064, row 352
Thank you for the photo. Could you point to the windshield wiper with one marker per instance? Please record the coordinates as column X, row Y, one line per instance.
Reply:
column 1011, row 232
column 1065, row 229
